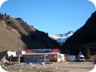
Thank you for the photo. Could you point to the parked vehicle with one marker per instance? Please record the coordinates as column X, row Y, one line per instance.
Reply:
column 81, row 58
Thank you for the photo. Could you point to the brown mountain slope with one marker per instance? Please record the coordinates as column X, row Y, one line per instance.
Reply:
column 11, row 29
column 9, row 38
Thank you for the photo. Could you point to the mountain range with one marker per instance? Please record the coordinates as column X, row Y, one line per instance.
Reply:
column 16, row 33
column 61, row 38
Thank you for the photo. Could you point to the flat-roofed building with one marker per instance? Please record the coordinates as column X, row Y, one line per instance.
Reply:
column 42, row 55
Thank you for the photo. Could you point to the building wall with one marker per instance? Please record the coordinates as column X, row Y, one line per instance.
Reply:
column 41, row 58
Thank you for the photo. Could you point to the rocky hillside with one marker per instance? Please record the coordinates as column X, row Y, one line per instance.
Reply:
column 85, row 37
column 14, row 32
column 86, row 34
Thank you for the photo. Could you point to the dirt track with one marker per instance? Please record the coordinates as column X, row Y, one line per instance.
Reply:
column 61, row 67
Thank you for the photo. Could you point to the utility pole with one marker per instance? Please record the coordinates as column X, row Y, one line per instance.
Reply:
column 18, row 52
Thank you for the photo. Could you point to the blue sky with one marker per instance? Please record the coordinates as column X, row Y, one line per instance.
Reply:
column 50, row 16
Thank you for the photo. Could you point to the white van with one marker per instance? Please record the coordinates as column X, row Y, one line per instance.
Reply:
column 81, row 58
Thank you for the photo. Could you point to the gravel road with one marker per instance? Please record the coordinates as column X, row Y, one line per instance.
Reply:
column 54, row 67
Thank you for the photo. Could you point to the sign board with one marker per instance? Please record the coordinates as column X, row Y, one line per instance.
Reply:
column 42, row 50
column 55, row 50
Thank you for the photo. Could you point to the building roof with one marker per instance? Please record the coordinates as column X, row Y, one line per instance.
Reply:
column 39, row 53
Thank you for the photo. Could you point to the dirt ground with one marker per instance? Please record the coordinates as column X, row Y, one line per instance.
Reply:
column 62, row 67
column 74, row 67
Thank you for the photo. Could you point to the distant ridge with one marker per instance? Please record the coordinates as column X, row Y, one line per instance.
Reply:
column 61, row 38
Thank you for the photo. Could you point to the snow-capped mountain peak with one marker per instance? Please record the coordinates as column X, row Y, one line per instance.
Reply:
column 61, row 38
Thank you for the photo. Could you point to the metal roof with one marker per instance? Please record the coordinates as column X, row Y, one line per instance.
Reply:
column 39, row 53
